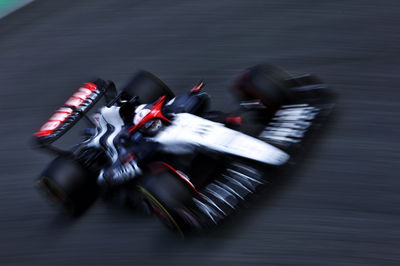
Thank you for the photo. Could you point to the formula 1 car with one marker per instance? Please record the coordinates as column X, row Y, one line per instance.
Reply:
column 192, row 166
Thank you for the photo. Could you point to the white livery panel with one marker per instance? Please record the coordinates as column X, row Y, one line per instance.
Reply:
column 187, row 129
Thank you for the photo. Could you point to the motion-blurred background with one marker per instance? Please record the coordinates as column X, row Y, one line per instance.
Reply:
column 342, row 205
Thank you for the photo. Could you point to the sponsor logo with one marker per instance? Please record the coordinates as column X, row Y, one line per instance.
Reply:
column 290, row 123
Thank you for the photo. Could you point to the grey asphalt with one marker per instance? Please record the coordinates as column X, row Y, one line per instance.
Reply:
column 340, row 207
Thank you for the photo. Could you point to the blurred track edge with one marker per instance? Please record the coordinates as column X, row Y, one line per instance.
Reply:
column 9, row 6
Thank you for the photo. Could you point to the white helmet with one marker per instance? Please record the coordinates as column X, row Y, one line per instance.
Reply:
column 150, row 127
column 140, row 112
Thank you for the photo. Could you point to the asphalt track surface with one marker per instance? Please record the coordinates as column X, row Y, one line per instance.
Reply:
column 341, row 205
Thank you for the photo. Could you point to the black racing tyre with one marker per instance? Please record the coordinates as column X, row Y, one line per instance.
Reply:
column 67, row 182
column 147, row 87
column 266, row 83
column 170, row 199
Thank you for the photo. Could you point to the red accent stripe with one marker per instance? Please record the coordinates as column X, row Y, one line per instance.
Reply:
column 155, row 112
column 198, row 87
column 181, row 176
column 90, row 86
column 234, row 120
column 77, row 97
column 43, row 133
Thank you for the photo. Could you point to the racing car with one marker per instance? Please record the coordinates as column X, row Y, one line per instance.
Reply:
column 170, row 154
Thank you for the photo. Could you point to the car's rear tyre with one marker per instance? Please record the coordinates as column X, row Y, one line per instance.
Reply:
column 67, row 182
column 147, row 87
column 266, row 83
column 170, row 199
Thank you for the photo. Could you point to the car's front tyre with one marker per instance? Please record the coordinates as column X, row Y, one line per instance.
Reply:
column 170, row 199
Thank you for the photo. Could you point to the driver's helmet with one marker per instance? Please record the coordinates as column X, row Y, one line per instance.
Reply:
column 149, row 128
column 140, row 112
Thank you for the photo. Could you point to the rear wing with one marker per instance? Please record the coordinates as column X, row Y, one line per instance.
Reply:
column 65, row 117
